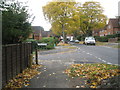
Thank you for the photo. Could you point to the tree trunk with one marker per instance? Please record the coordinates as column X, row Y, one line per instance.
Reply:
column 63, row 32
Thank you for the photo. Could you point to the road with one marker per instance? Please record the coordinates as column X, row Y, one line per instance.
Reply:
column 56, row 61
column 103, row 54
column 84, row 53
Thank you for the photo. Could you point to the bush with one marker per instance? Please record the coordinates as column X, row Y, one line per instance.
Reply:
column 15, row 25
column 101, row 39
column 51, row 41
column 105, row 38
column 30, row 40
column 111, row 36
column 81, row 37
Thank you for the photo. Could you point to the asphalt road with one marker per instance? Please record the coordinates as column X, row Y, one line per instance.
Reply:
column 56, row 61
column 83, row 53
column 103, row 54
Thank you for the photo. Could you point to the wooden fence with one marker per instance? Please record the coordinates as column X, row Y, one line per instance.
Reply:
column 15, row 58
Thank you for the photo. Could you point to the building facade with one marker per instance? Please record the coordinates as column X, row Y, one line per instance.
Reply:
column 113, row 27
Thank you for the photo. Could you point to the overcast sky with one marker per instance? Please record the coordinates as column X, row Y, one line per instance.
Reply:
column 35, row 8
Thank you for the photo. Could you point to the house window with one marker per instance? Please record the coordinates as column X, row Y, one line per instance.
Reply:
column 108, row 33
column 109, row 27
column 116, row 31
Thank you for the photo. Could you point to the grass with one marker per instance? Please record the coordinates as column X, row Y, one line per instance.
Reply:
column 71, row 47
column 94, row 73
column 101, row 43
column 81, row 42
column 63, row 44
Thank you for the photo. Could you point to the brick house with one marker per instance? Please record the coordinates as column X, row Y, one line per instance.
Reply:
column 113, row 27
column 96, row 32
column 103, row 32
column 39, row 33
column 46, row 33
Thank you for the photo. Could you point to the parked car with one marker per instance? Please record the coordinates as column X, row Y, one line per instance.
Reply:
column 90, row 40
column 77, row 41
column 72, row 41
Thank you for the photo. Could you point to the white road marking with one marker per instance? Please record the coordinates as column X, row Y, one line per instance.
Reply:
column 96, row 57
column 99, row 58
column 109, row 63
column 88, row 53
column 103, row 60
column 91, row 54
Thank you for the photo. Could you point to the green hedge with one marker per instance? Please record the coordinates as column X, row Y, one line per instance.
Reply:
column 101, row 39
column 105, row 38
column 51, row 41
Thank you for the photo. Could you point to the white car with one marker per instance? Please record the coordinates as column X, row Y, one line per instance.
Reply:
column 89, row 40
column 77, row 41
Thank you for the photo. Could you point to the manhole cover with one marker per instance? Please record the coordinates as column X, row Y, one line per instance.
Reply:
column 79, row 62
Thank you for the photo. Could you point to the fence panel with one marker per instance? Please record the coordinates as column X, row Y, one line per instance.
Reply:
column 9, row 62
column 4, row 72
column 15, row 58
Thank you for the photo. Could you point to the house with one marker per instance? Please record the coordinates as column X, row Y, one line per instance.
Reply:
column 96, row 32
column 46, row 33
column 37, row 32
column 113, row 27
column 103, row 31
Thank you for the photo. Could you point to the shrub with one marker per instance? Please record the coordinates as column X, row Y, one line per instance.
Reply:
column 51, row 41
column 111, row 36
column 15, row 25
column 101, row 39
column 30, row 40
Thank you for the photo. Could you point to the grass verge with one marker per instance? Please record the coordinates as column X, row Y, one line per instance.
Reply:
column 94, row 73
column 101, row 43
column 63, row 44
column 71, row 47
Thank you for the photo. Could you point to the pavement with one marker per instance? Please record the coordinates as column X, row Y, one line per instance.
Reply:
column 56, row 61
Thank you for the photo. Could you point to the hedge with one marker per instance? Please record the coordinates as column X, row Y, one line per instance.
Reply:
column 105, row 38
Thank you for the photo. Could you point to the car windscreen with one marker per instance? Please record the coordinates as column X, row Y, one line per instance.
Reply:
column 91, row 38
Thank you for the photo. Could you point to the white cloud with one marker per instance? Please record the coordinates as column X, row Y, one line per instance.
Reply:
column 110, row 9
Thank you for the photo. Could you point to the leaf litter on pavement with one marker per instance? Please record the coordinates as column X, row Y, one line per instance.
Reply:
column 24, row 77
column 94, row 73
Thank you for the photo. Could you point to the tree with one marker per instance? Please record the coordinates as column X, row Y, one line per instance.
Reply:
column 59, row 15
column 92, row 17
column 15, row 24
column 74, row 18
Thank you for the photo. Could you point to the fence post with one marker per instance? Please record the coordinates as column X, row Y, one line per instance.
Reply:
column 36, row 55
column 21, row 59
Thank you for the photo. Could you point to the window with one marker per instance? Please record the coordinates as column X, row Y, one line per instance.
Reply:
column 108, row 33
column 109, row 26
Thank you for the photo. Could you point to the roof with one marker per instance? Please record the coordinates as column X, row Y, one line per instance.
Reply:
column 115, row 22
column 37, row 29
column 45, row 33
